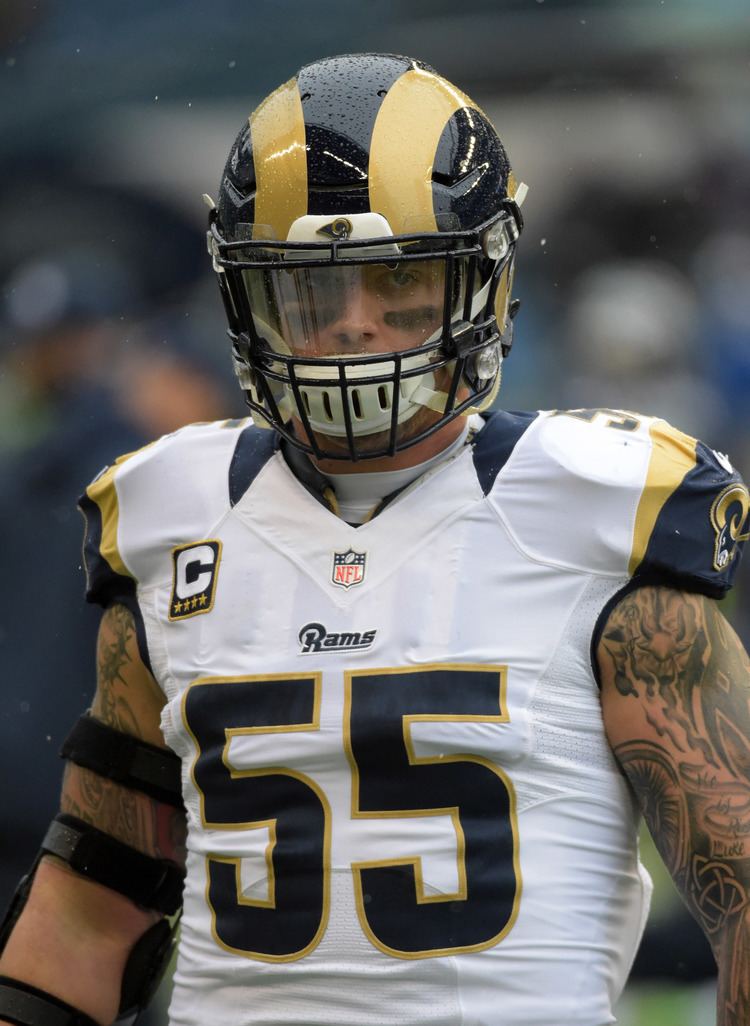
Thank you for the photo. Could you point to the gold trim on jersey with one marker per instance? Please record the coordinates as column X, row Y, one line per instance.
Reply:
column 103, row 492
column 672, row 458
column 416, row 108
column 415, row 861
column 269, row 902
column 277, row 129
column 231, row 732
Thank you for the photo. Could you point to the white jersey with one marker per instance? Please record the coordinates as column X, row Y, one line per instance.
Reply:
column 402, row 807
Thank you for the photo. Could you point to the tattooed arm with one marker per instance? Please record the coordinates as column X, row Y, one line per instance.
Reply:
column 676, row 703
column 74, row 936
column 128, row 699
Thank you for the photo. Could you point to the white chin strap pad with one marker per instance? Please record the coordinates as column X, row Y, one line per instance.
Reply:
column 370, row 403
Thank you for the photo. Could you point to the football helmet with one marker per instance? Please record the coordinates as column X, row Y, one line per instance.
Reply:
column 364, row 242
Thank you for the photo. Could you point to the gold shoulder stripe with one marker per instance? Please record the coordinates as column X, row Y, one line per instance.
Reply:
column 416, row 108
column 103, row 492
column 278, row 135
column 672, row 457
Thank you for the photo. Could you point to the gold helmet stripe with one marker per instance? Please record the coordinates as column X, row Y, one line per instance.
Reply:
column 277, row 130
column 103, row 492
column 672, row 457
column 404, row 142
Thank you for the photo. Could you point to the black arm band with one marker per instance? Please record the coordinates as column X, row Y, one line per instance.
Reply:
column 24, row 1005
column 125, row 759
column 147, row 881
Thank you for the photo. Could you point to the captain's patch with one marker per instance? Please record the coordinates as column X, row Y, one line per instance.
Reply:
column 196, row 568
column 729, row 517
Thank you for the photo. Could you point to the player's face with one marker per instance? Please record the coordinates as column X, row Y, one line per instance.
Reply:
column 360, row 310
column 356, row 310
column 373, row 310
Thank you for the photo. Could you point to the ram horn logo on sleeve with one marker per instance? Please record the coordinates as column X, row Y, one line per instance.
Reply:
column 729, row 518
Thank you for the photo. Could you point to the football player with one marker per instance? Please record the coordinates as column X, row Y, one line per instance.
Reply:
column 415, row 668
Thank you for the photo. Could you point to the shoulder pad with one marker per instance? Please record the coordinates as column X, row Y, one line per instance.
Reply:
column 616, row 493
column 171, row 493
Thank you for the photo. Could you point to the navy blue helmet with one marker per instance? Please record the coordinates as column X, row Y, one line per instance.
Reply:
column 364, row 240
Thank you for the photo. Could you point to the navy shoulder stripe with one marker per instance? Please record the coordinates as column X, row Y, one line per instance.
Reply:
column 254, row 448
column 104, row 586
column 496, row 441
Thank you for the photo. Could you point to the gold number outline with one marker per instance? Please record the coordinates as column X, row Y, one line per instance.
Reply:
column 231, row 732
column 415, row 861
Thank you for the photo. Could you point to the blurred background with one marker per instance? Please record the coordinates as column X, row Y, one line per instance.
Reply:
column 627, row 119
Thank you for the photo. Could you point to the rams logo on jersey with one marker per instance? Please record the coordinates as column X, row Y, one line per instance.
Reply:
column 314, row 637
column 729, row 517
column 196, row 568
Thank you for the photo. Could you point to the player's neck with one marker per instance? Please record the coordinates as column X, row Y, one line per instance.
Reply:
column 417, row 454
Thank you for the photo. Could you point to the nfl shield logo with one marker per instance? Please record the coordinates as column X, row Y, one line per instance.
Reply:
column 348, row 568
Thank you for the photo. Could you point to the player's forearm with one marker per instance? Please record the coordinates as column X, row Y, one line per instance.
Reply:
column 73, row 940
column 676, row 702
column 733, row 957
column 705, row 850
column 717, row 892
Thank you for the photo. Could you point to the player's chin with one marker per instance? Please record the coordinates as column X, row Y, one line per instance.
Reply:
column 422, row 420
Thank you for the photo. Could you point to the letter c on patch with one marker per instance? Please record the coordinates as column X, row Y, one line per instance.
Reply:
column 193, row 570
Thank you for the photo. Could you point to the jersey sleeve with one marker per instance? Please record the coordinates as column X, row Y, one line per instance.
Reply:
column 692, row 517
column 141, row 511
column 621, row 495
column 108, row 579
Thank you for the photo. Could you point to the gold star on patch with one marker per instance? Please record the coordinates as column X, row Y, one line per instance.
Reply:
column 194, row 570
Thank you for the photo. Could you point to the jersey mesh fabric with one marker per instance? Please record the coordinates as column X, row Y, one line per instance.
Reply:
column 344, row 964
column 566, row 711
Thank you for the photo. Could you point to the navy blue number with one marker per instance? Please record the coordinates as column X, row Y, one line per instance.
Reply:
column 290, row 922
column 396, row 913
column 398, row 916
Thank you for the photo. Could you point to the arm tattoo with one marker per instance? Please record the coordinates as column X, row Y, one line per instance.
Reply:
column 113, row 705
column 128, row 815
column 690, row 767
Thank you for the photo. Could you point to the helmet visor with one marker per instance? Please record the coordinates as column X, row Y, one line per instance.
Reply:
column 352, row 309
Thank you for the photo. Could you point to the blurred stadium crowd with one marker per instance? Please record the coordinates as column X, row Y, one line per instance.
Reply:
column 628, row 122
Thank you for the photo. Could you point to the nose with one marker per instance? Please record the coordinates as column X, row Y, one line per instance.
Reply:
column 357, row 323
